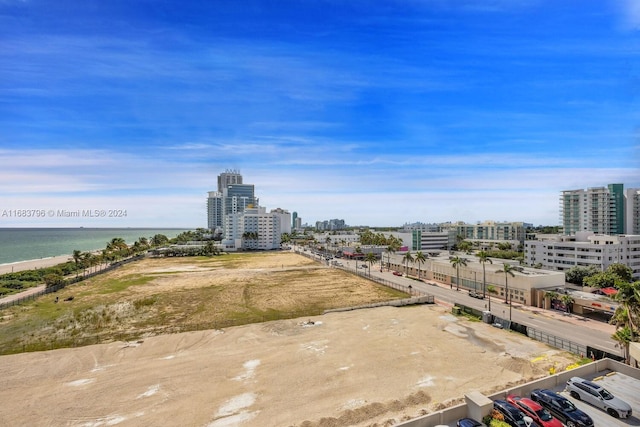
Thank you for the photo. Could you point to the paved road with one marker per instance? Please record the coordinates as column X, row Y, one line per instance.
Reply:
column 577, row 329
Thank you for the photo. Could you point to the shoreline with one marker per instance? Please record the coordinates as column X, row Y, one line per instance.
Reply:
column 32, row 264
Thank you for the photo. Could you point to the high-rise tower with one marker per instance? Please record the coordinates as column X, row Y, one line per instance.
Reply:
column 227, row 178
column 232, row 197
column 597, row 209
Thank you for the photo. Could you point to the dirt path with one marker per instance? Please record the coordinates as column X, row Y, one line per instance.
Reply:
column 23, row 294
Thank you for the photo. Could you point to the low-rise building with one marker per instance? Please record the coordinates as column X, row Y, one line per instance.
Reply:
column 585, row 249
column 527, row 285
column 432, row 240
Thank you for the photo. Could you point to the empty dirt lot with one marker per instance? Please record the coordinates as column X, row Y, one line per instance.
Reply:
column 372, row 367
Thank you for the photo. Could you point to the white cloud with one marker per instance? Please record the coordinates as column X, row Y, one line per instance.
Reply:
column 630, row 13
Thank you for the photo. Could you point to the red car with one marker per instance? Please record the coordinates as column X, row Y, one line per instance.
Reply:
column 397, row 273
column 532, row 409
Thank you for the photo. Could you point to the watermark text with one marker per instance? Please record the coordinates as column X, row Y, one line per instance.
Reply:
column 63, row 213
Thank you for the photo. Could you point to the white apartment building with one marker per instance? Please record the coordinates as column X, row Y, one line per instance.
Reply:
column 252, row 229
column 585, row 249
column 598, row 209
column 214, row 211
column 285, row 219
column 491, row 232
column 632, row 211
column 338, row 239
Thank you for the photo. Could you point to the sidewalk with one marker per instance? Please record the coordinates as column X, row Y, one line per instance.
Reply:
column 575, row 319
column 572, row 318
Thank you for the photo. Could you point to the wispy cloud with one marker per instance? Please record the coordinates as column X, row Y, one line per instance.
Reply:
column 630, row 12
column 376, row 112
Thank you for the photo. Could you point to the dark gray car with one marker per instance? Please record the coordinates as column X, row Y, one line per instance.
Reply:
column 561, row 408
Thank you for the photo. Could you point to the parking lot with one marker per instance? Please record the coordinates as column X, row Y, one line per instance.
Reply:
column 621, row 386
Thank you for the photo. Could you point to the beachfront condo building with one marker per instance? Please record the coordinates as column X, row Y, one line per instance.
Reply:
column 234, row 211
column 233, row 196
column 253, row 229
column 214, row 211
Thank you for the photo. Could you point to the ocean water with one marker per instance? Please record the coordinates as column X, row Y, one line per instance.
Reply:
column 22, row 244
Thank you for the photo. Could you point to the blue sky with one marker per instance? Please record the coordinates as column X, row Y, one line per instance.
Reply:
column 375, row 112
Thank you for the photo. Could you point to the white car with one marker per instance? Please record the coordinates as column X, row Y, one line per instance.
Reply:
column 598, row 396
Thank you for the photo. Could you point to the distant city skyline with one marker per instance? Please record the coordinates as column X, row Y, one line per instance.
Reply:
column 380, row 113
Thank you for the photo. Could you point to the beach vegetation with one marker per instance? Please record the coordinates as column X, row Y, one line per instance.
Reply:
column 156, row 296
column 53, row 279
column 11, row 283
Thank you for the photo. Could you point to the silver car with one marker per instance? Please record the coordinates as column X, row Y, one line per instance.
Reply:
column 598, row 396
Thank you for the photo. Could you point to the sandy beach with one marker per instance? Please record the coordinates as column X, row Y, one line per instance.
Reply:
column 33, row 264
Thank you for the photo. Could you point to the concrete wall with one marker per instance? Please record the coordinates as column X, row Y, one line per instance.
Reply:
column 450, row 415
column 634, row 351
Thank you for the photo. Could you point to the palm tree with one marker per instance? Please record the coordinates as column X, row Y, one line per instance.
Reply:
column 567, row 300
column 420, row 258
column 508, row 270
column 85, row 261
column 285, row 238
column 483, row 258
column 391, row 249
column 624, row 337
column 159, row 240
column 357, row 252
column 551, row 295
column 77, row 257
column 407, row 258
column 465, row 246
column 627, row 315
column 456, row 262
column 370, row 258
column 117, row 248
column 94, row 261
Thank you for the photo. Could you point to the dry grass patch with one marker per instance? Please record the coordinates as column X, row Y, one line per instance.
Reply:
column 156, row 296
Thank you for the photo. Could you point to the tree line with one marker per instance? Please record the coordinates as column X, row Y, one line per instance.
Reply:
column 87, row 262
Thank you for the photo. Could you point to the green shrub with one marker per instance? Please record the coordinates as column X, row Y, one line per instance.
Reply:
column 12, row 284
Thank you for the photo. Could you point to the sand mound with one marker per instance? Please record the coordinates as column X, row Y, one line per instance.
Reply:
column 358, row 368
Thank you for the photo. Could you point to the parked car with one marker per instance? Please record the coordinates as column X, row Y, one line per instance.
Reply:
column 539, row 414
column 468, row 422
column 561, row 408
column 598, row 396
column 397, row 273
column 512, row 415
